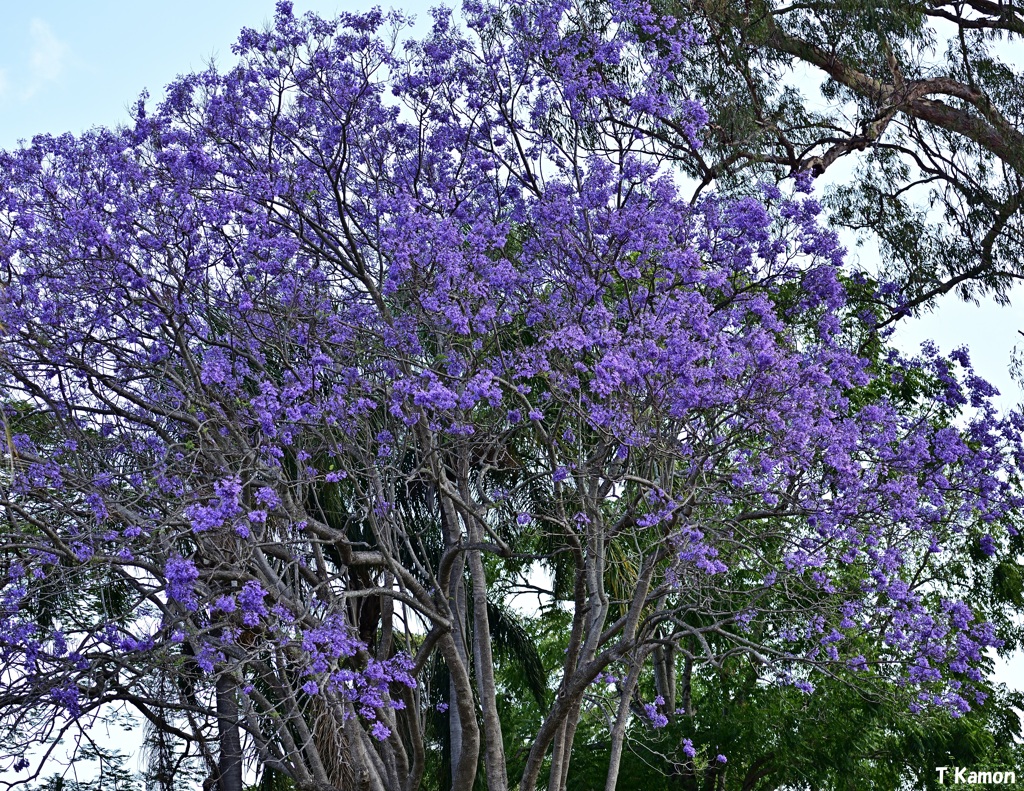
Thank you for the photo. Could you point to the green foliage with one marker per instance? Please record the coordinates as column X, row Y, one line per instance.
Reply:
column 780, row 738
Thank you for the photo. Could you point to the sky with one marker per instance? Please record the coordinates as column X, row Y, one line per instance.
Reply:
column 68, row 65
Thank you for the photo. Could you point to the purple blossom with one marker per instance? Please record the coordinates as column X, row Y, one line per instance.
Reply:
column 67, row 697
column 654, row 716
column 222, row 508
column 250, row 601
column 268, row 497
column 181, row 575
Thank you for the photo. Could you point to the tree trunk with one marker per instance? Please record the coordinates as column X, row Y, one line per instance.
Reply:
column 494, row 747
column 457, row 602
column 619, row 728
column 665, row 676
column 687, row 688
column 561, row 751
column 229, row 763
column 464, row 711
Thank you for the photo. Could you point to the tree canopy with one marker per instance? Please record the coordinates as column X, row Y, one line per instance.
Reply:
column 316, row 369
column 923, row 97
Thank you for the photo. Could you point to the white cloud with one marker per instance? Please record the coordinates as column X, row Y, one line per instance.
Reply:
column 47, row 56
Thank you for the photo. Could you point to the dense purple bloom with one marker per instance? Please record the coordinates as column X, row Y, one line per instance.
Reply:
column 181, row 575
column 250, row 601
column 67, row 698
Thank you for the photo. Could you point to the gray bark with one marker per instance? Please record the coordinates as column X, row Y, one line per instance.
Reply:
column 494, row 748
column 229, row 762
column 463, row 711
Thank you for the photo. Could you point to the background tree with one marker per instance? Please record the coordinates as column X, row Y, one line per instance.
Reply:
column 922, row 98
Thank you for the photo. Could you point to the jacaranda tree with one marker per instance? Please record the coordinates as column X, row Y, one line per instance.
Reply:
column 308, row 366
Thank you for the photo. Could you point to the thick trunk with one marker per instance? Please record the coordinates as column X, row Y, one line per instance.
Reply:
column 464, row 711
column 464, row 730
column 589, row 612
column 572, row 689
column 557, row 757
column 229, row 763
column 367, row 773
column 552, row 727
column 687, row 678
column 457, row 602
column 411, row 714
column 494, row 748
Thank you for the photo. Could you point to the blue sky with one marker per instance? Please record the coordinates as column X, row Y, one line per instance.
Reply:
column 67, row 66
